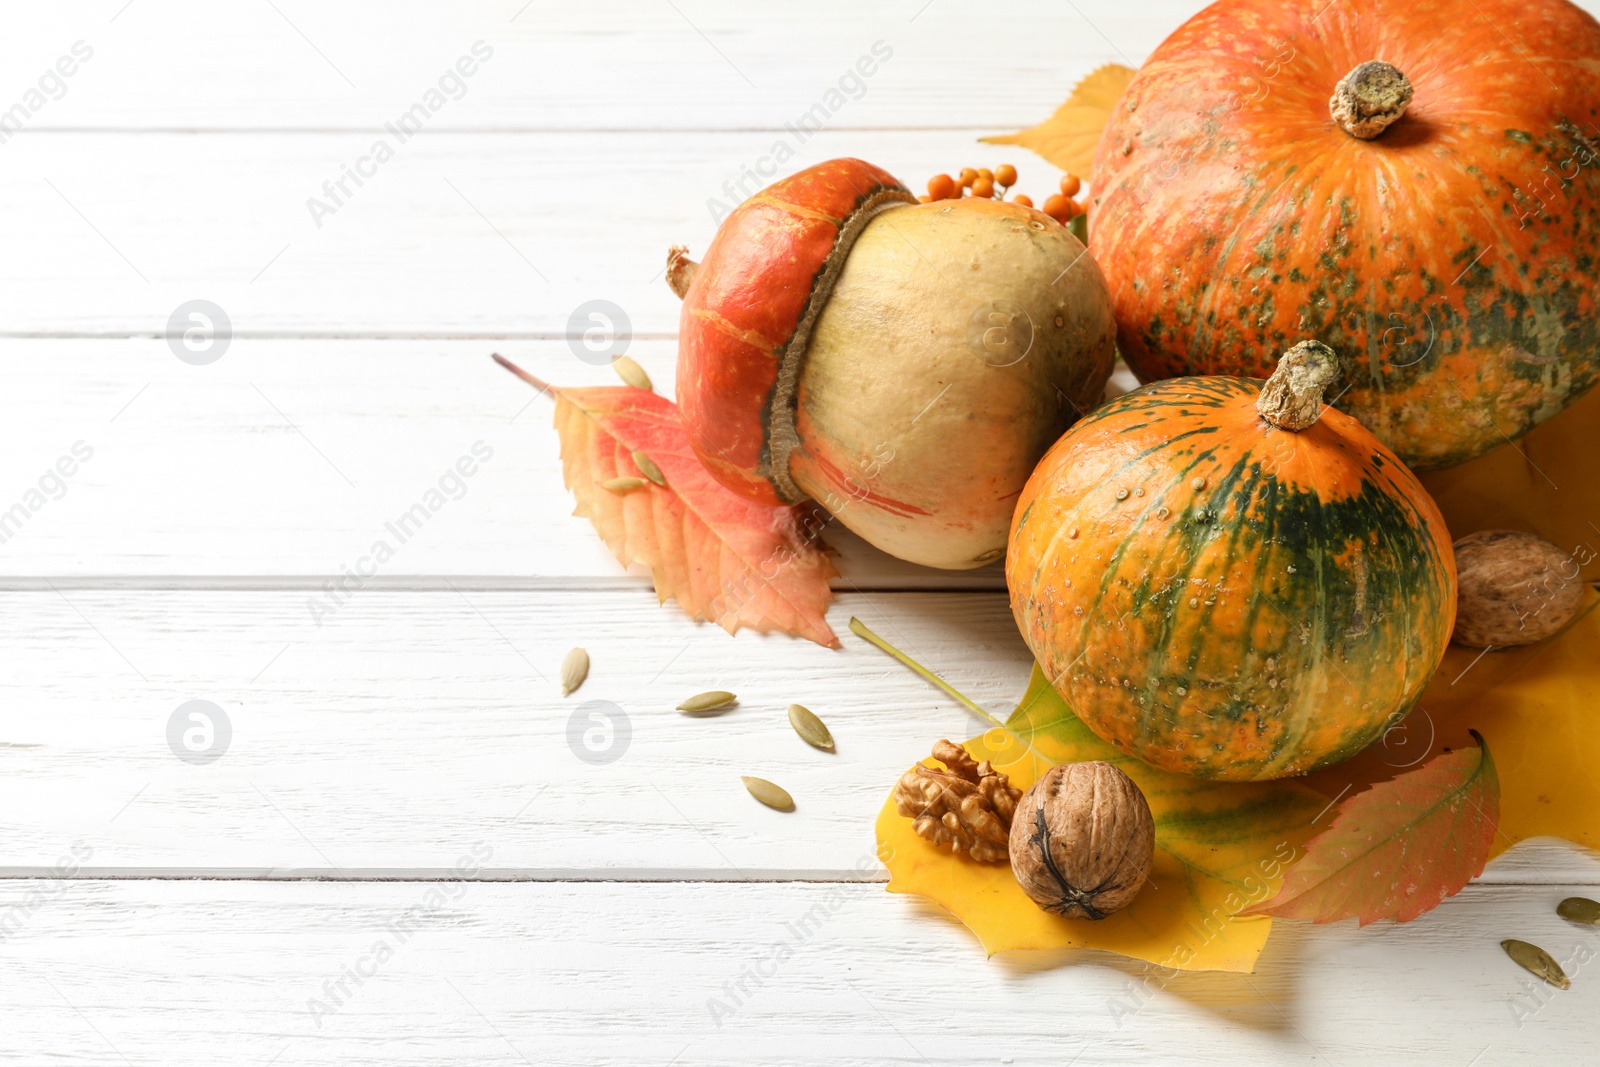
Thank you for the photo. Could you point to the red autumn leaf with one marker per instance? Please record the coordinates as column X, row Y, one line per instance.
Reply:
column 1399, row 848
column 722, row 557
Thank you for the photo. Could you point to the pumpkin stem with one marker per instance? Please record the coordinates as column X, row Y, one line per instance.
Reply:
column 1292, row 398
column 1369, row 98
column 680, row 269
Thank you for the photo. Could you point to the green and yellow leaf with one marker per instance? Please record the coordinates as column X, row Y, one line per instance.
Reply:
column 1220, row 847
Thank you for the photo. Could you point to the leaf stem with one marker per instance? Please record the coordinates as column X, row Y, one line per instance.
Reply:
column 538, row 383
column 860, row 629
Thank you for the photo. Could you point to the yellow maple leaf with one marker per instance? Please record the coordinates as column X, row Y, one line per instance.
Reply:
column 1543, row 483
column 1220, row 847
column 1068, row 138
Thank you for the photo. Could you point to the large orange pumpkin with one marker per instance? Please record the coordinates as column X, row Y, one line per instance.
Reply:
column 1225, row 579
column 1248, row 194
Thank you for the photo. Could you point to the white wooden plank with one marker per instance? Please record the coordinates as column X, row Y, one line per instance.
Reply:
column 238, row 973
column 470, row 232
column 409, row 722
column 406, row 722
column 287, row 458
column 482, row 235
column 701, row 64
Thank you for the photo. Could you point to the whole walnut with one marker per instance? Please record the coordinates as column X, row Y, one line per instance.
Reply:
column 1514, row 589
column 1082, row 840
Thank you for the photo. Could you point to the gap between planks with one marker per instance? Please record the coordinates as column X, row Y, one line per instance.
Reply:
column 324, row 335
column 987, row 129
column 982, row 582
column 511, row 875
column 627, row 875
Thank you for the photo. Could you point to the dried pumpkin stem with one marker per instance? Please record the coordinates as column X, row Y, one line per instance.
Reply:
column 860, row 629
column 680, row 269
column 1292, row 399
column 1368, row 99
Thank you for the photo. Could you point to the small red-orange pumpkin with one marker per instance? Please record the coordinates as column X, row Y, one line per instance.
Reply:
column 1230, row 592
column 749, row 310
column 1247, row 194
column 905, row 365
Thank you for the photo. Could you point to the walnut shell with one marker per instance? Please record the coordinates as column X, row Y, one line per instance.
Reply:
column 1515, row 589
column 1082, row 840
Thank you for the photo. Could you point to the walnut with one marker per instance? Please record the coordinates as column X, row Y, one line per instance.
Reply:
column 1082, row 841
column 1515, row 589
column 968, row 806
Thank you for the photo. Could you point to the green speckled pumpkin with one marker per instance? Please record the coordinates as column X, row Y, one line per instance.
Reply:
column 1225, row 579
column 1417, row 184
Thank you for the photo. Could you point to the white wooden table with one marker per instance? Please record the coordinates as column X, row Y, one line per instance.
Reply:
column 302, row 898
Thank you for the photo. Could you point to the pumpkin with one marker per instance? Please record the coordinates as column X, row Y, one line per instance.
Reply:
column 1227, row 579
column 905, row 365
column 1418, row 185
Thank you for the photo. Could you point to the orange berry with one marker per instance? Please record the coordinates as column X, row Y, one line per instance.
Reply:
column 985, row 172
column 1025, row 201
column 983, row 186
column 1070, row 185
column 924, row 199
column 1055, row 205
column 1005, row 174
column 941, row 186
column 968, row 176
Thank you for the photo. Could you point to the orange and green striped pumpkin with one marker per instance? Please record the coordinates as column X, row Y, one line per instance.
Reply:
column 1226, row 597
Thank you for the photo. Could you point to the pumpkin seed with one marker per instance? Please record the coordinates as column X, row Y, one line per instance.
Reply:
column 574, row 669
column 622, row 485
column 648, row 468
column 1580, row 910
column 711, row 701
column 773, row 796
column 1536, row 961
column 812, row 730
column 631, row 373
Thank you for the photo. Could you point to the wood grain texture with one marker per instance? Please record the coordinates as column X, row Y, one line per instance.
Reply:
column 406, row 723
column 459, row 234
column 601, row 65
column 286, row 458
column 244, row 973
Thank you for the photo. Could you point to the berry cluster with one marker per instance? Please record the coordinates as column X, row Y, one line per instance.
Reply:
column 994, row 184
